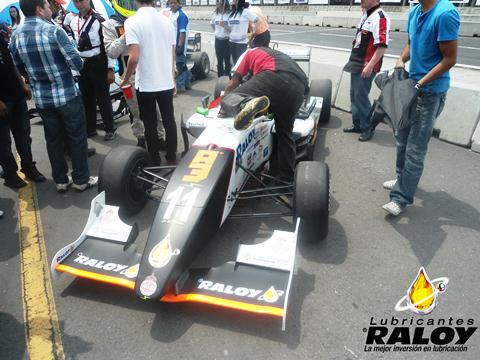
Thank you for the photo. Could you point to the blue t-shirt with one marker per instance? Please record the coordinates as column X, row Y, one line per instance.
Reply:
column 426, row 30
column 182, row 27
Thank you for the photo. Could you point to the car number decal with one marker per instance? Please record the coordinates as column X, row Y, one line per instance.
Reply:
column 200, row 166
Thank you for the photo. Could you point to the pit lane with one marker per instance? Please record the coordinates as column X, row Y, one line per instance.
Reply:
column 365, row 265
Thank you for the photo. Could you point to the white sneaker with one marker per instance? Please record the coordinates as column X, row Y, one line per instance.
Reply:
column 92, row 181
column 1, row 213
column 392, row 208
column 61, row 188
column 389, row 184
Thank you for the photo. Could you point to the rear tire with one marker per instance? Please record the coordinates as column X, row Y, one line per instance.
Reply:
column 311, row 200
column 201, row 65
column 323, row 88
column 117, row 178
column 220, row 86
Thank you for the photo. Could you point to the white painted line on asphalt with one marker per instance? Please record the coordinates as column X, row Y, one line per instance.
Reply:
column 318, row 33
column 463, row 66
column 469, row 47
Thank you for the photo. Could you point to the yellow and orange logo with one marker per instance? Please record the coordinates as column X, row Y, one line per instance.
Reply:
column 423, row 294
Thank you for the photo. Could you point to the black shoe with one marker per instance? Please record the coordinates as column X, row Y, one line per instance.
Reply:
column 352, row 129
column 91, row 152
column 109, row 135
column 141, row 143
column 162, row 145
column 92, row 134
column 366, row 135
column 14, row 181
column 32, row 173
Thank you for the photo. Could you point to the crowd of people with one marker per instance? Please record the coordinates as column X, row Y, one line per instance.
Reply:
column 150, row 47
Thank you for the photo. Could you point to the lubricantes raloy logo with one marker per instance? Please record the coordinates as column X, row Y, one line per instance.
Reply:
column 419, row 333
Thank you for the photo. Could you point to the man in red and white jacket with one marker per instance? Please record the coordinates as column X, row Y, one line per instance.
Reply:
column 365, row 62
column 276, row 82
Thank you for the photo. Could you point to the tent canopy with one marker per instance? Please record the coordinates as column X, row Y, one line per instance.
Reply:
column 5, row 10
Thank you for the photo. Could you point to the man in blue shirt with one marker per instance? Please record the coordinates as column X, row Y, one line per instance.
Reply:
column 43, row 53
column 180, row 22
column 432, row 27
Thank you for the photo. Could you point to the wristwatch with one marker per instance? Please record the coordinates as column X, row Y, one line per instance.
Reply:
column 418, row 86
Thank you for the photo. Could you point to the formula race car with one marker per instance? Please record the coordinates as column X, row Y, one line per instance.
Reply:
column 222, row 166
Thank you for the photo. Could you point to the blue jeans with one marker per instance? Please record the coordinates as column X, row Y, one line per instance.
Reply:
column 359, row 90
column 183, row 76
column 412, row 144
column 67, row 121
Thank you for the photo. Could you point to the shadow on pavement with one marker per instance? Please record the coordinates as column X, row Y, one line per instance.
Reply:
column 8, row 227
column 438, row 210
column 12, row 341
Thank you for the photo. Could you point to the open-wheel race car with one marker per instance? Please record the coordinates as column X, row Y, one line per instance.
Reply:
column 223, row 165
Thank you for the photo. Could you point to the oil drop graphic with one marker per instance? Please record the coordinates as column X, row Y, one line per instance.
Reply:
column 422, row 295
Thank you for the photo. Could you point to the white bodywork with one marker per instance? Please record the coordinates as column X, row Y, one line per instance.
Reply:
column 252, row 147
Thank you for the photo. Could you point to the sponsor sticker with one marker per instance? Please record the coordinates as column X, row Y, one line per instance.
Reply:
column 132, row 271
column 99, row 264
column 271, row 295
column 162, row 253
column 148, row 286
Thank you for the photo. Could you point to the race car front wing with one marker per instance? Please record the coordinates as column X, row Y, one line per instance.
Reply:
column 258, row 281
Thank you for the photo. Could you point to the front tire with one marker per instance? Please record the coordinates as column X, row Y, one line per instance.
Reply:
column 311, row 200
column 117, row 178
column 220, row 86
column 201, row 65
column 323, row 88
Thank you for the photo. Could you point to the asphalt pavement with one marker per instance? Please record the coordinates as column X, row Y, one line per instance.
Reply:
column 341, row 38
column 359, row 272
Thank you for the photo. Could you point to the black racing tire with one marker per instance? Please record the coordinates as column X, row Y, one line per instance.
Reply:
column 323, row 88
column 117, row 178
column 201, row 65
column 220, row 86
column 311, row 200
column 310, row 151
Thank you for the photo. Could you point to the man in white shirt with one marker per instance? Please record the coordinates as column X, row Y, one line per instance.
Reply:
column 151, row 40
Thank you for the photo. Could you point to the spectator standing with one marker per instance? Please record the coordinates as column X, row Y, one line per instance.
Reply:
column 432, row 27
column 97, row 74
column 45, row 54
column 14, row 17
column 151, row 40
column 260, row 32
column 365, row 62
column 180, row 23
column 67, row 20
column 219, row 24
column 116, row 48
column 239, row 21
column 14, row 118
